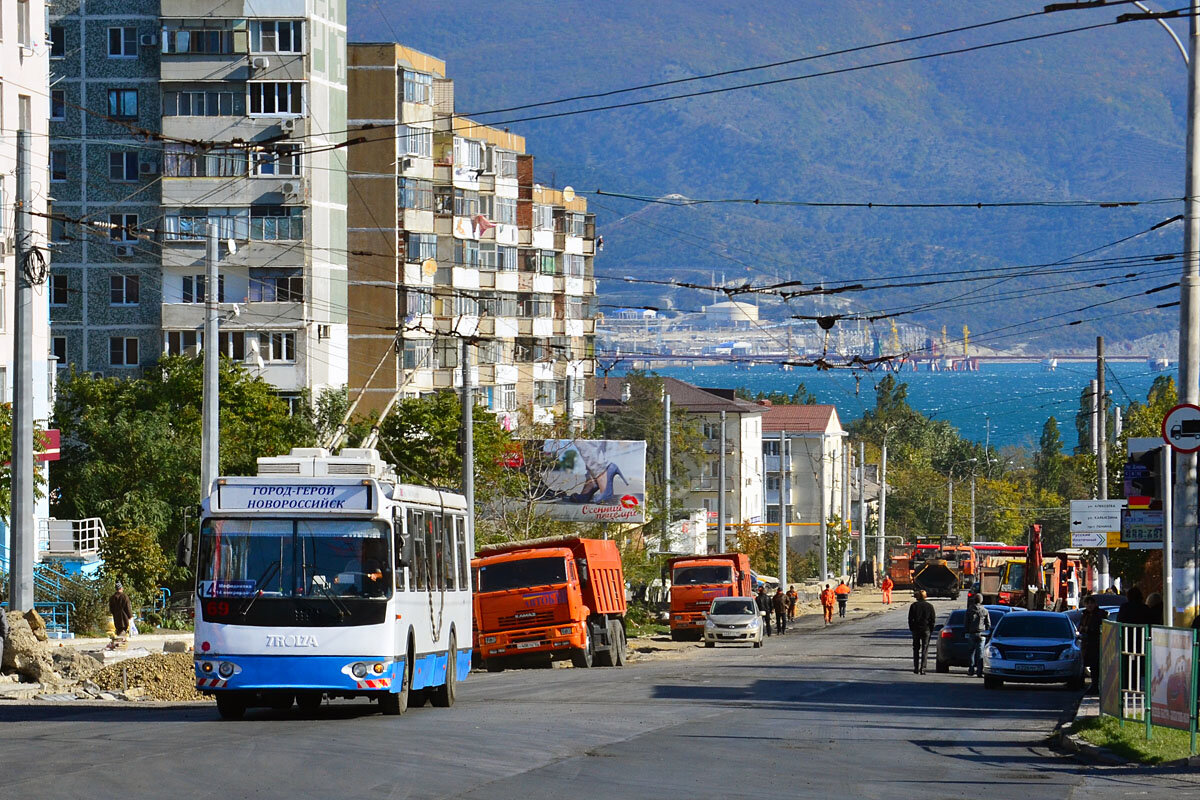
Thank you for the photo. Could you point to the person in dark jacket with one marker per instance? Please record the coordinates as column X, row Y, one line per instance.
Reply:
column 921, row 618
column 121, row 610
column 779, row 604
column 1154, row 609
column 3, row 631
column 1134, row 611
column 1090, row 623
column 764, row 606
column 976, row 626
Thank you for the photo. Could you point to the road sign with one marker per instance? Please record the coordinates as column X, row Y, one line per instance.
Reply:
column 1088, row 539
column 1096, row 516
column 1181, row 428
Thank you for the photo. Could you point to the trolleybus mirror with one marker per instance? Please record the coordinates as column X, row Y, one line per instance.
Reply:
column 183, row 550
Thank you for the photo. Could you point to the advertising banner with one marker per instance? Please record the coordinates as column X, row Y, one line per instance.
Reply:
column 1171, row 689
column 1110, row 669
column 591, row 480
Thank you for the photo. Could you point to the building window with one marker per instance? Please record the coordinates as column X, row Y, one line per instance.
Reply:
column 277, row 346
column 194, row 288
column 214, row 41
column 573, row 225
column 24, row 35
column 543, row 218
column 123, row 351
column 58, row 290
column 468, row 154
column 415, row 194
column 500, row 304
column 276, row 223
column 505, row 163
column 195, row 103
column 535, row 305
column 418, row 87
column 280, row 161
column 233, row 344
column 772, row 483
column 506, row 210
column 123, row 290
column 122, row 42
column 123, row 166
column 179, row 343
column 276, row 36
column 414, row 141
column 770, row 447
column 276, row 286
column 416, row 302
column 466, row 253
column 58, row 104
column 58, row 349
column 545, row 393
column 466, row 203
column 573, row 265
column 421, row 246
column 123, row 227
column 445, row 353
column 123, row 103
column 189, row 161
column 58, row 165
column 418, row 353
column 773, row 515
column 276, row 98
column 502, row 397
column 58, row 41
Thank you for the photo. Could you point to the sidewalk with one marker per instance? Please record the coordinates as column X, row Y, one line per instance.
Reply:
column 150, row 642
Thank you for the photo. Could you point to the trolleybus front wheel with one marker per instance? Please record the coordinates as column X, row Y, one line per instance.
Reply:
column 443, row 696
column 231, row 705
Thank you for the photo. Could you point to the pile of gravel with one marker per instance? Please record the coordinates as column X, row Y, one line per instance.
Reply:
column 164, row 676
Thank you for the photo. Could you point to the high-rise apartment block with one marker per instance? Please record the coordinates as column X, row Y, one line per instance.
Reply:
column 450, row 238
column 172, row 116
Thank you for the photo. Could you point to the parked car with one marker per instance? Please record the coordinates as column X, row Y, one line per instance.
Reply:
column 1033, row 647
column 953, row 649
column 1109, row 602
column 735, row 620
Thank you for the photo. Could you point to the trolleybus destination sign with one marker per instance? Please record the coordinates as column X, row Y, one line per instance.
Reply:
column 293, row 497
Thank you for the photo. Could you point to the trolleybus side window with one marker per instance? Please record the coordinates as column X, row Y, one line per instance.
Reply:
column 460, row 548
column 398, row 540
column 420, row 565
column 437, row 550
column 446, row 542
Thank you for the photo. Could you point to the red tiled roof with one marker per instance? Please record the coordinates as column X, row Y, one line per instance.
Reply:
column 801, row 419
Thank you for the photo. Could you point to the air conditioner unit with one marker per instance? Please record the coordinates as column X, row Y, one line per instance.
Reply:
column 148, row 168
column 124, row 251
column 260, row 62
column 148, row 39
column 287, row 125
column 291, row 187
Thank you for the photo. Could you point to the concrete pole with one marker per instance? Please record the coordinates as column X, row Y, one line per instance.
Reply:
column 1187, row 559
column 568, row 401
column 846, row 468
column 210, row 449
column 862, row 503
column 468, row 438
column 22, row 552
column 972, row 507
column 666, row 533
column 1092, row 393
column 721, row 490
column 1102, row 450
column 824, row 489
column 950, row 506
column 785, row 499
column 882, row 532
column 1168, row 456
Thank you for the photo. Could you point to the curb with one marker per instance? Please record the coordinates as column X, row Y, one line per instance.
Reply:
column 1101, row 756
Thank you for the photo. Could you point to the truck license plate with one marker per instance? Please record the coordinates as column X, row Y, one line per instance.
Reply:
column 527, row 645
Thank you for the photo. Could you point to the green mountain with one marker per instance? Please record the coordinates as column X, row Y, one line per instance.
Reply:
column 1091, row 115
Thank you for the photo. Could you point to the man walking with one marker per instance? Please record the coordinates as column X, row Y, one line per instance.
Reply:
column 976, row 625
column 921, row 618
column 121, row 610
column 764, row 606
column 1090, row 623
column 779, row 605
column 827, row 603
column 886, row 587
column 842, row 592
column 793, row 597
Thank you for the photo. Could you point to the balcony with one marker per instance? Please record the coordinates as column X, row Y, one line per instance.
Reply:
column 714, row 445
column 58, row 538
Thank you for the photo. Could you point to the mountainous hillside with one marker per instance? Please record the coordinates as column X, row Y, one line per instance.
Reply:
column 1093, row 115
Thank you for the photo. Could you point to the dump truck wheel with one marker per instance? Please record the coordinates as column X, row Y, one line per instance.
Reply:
column 586, row 655
column 619, row 655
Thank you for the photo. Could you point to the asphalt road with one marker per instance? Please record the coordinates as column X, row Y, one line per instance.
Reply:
column 821, row 714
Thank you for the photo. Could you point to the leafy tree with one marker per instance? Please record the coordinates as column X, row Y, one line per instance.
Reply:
column 801, row 397
column 132, row 556
column 1049, row 458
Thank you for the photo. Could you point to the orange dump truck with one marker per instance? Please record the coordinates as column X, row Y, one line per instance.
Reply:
column 548, row 600
column 696, row 580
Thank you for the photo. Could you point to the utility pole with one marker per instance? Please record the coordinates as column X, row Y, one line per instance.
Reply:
column 468, row 440
column 1101, row 434
column 23, row 543
column 666, row 542
column 950, row 506
column 847, row 457
column 862, row 503
column 880, row 539
column 1092, row 393
column 210, row 449
column 1186, row 496
column 568, row 401
column 972, row 506
column 1168, row 455
column 721, row 490
column 785, row 498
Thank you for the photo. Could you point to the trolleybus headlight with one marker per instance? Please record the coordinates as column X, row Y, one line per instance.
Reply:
column 377, row 668
column 206, row 666
column 359, row 670
column 225, row 670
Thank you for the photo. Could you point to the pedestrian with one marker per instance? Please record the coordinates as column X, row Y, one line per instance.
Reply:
column 793, row 598
column 3, row 631
column 1134, row 611
column 827, row 603
column 1154, row 609
column 764, row 606
column 976, row 626
column 842, row 592
column 121, row 610
column 886, row 587
column 1090, row 623
column 779, row 605
column 921, row 618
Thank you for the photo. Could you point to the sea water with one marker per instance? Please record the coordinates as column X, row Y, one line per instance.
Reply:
column 1002, row 403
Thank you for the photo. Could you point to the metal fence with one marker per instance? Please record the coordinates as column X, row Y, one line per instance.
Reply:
column 1139, row 685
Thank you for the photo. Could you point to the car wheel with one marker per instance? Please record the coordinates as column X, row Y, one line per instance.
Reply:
column 992, row 682
column 758, row 643
column 942, row 666
column 710, row 644
column 1076, row 683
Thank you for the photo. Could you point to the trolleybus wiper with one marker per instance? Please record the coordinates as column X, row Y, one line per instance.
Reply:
column 267, row 573
column 341, row 608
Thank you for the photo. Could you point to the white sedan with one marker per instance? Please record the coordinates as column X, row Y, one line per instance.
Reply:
column 734, row 620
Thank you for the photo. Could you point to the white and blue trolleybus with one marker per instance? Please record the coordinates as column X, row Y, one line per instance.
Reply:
column 323, row 576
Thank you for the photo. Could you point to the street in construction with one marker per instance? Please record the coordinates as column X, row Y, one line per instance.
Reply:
column 819, row 713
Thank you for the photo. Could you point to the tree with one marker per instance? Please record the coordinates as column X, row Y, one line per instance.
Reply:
column 1049, row 458
column 132, row 556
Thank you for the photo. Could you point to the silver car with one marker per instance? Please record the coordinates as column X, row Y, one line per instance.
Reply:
column 735, row 620
column 1033, row 647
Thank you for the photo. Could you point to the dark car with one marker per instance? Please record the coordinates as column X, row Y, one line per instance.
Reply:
column 1033, row 646
column 1109, row 602
column 953, row 649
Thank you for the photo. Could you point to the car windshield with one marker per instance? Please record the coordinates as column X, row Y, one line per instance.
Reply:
column 733, row 607
column 1034, row 626
column 294, row 558
column 522, row 574
column 692, row 576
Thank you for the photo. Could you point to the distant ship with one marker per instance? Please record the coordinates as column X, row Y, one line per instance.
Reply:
column 1158, row 364
column 1050, row 364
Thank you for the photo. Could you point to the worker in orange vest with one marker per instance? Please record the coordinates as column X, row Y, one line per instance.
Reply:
column 843, row 594
column 827, row 598
column 887, row 587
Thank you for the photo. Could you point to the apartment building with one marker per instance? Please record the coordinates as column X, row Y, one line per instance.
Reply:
column 172, row 116
column 451, row 237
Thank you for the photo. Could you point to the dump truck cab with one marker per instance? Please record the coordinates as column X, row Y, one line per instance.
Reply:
column 696, row 581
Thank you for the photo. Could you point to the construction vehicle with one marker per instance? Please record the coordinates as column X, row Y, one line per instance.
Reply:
column 550, row 599
column 696, row 580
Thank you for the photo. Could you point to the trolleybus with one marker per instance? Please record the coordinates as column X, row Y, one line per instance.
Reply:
column 323, row 576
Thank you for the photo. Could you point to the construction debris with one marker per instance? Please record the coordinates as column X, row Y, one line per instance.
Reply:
column 24, row 654
column 164, row 676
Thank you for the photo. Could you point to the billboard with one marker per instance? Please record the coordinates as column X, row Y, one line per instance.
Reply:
column 591, row 480
column 1171, row 689
column 1110, row 669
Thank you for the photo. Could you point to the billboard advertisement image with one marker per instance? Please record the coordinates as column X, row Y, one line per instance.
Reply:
column 592, row 480
column 1171, row 689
